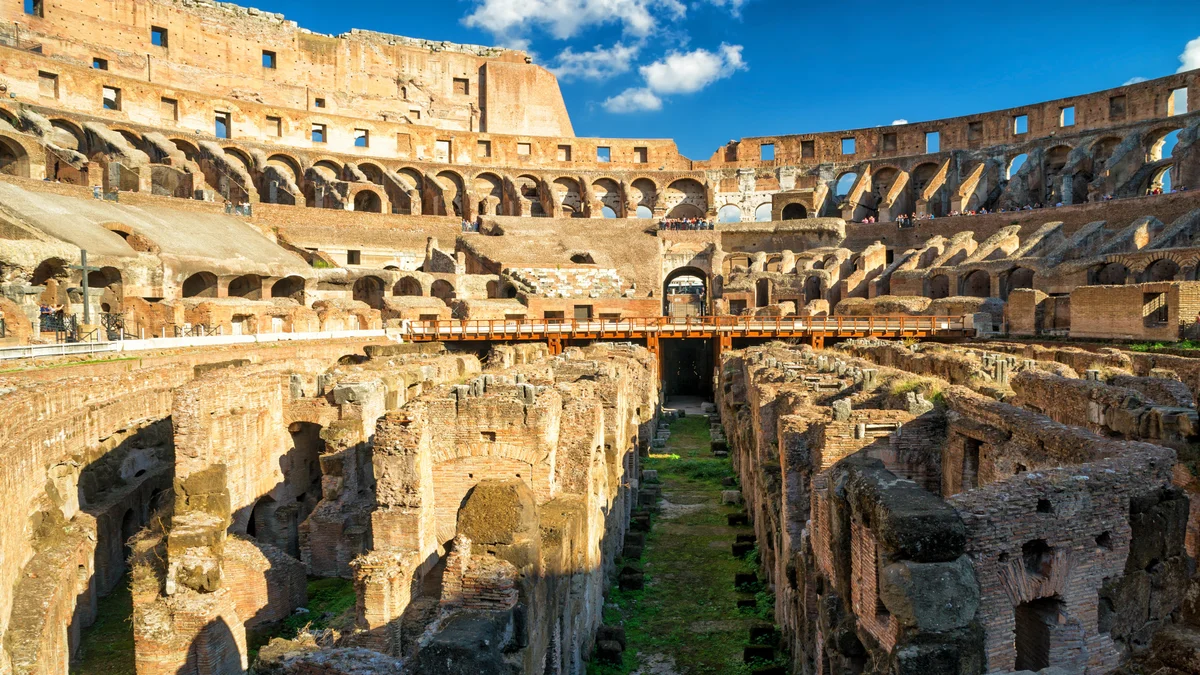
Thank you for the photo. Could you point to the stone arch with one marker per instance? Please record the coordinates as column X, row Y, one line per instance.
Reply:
column 286, row 165
column 608, row 193
column 453, row 190
column 489, row 190
column 442, row 290
column 242, row 158
column 410, row 199
column 372, row 171
column 794, row 211
column 14, row 161
column 762, row 213
column 762, row 292
column 408, row 286
column 368, row 201
column 643, row 193
column 189, row 149
column 1160, row 179
column 327, row 169
column 289, row 287
column 729, row 213
column 682, row 281
column 1101, row 151
column 369, row 290
column 248, row 286
column 976, row 284
column 812, row 289
column 69, row 135
column 1156, row 141
column 1163, row 269
column 529, row 191
column 9, row 117
column 1017, row 278
column 1015, row 164
column 568, row 195
column 939, row 286
column 1110, row 274
column 200, row 285
column 686, row 192
column 261, row 522
column 844, row 184
column 132, row 138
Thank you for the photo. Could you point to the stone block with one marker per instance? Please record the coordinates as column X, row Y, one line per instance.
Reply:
column 731, row 496
column 931, row 597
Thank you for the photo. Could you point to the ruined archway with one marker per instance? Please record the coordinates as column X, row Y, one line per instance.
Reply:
column 248, row 286
column 443, row 290
column 370, row 291
column 1111, row 274
column 14, row 161
column 1163, row 269
column 977, row 284
column 939, row 286
column 685, row 292
column 289, row 287
column 686, row 198
column 409, row 286
column 729, row 214
column 367, row 201
column 794, row 212
column 200, row 285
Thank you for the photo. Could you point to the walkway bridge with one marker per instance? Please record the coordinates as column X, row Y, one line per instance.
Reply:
column 722, row 330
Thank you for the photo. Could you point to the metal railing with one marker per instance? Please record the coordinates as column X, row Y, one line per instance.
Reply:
column 734, row 326
column 196, row 330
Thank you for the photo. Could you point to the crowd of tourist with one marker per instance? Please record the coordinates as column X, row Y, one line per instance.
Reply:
column 685, row 224
column 468, row 226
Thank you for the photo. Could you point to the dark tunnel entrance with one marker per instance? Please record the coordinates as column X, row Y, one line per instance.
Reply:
column 687, row 367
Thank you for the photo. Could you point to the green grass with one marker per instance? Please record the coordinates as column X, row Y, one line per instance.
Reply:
column 69, row 364
column 330, row 605
column 106, row 647
column 688, row 611
column 1155, row 346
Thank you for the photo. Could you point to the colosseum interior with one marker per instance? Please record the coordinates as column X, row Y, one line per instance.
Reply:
column 898, row 400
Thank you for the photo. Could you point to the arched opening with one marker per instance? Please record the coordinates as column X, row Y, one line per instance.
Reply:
column 289, row 287
column 608, row 193
column 762, row 214
column 607, row 212
column 13, row 160
column 1163, row 269
column 977, row 284
column 762, row 292
column 687, row 192
column 643, row 193
column 583, row 259
column 812, row 289
column 1014, row 165
column 1037, row 623
column 489, row 190
column 452, row 192
column 1160, row 181
column 685, row 292
column 67, row 135
column 1111, row 274
column 644, row 212
column 1162, row 144
column 794, row 212
column 191, row 152
column 729, row 214
column 367, row 201
column 408, row 286
column 129, row 527
column 261, row 524
column 845, row 183
column 370, row 291
column 1021, row 277
column 248, row 286
column 567, row 194
column 685, row 211
column 939, row 286
column 200, row 285
column 442, row 290
column 372, row 172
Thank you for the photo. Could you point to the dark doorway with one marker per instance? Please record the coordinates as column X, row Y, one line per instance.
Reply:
column 1036, row 621
column 687, row 368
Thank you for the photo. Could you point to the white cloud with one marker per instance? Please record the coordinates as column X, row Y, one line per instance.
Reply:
column 689, row 72
column 600, row 63
column 633, row 100
column 509, row 20
column 1190, row 58
column 1134, row 80
column 899, row 122
column 735, row 6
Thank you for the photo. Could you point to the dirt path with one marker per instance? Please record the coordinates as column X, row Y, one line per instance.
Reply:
column 686, row 619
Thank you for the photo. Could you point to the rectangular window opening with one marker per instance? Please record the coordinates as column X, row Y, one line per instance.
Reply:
column 808, row 149
column 318, row 103
column 1116, row 107
column 442, row 151
column 524, row 149
column 849, row 147
column 1154, row 309
column 318, row 133
column 1066, row 116
column 362, row 138
column 414, row 114
column 583, row 312
column 640, row 155
column 974, row 131
column 933, row 141
column 1177, row 103
column 766, row 152
column 268, row 59
column 112, row 98
column 158, row 36
column 890, row 142
column 99, row 63
column 275, row 126
column 353, row 257
column 35, row 8
column 1020, row 124
column 564, row 153
column 462, row 86
column 223, row 128
column 603, row 154
column 970, row 466
column 483, row 149
column 168, row 109
column 48, row 84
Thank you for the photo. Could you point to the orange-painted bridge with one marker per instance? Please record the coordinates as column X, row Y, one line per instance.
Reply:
column 722, row 330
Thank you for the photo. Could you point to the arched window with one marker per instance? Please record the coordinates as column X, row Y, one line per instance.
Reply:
column 763, row 213
column 729, row 214
column 845, row 183
column 794, row 212
column 1015, row 165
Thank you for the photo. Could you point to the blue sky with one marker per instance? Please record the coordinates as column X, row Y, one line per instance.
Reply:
column 704, row 72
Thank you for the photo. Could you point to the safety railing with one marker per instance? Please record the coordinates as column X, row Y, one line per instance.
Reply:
column 735, row 326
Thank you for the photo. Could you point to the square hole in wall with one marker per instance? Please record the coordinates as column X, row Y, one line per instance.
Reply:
column 1177, row 103
column 524, row 149
column 318, row 133
column 168, row 109
column 808, row 149
column 849, row 146
column 603, row 154
column 111, row 98
column 1066, row 116
column 158, row 36
column 268, row 59
column 414, row 114
column 274, row 126
column 1116, row 107
column 483, row 149
column 975, row 131
column 564, row 153
column 462, row 86
column 933, row 141
column 223, row 127
column 641, row 155
column 890, row 142
column 48, row 84
column 442, row 151
column 318, row 103
column 766, row 152
column 353, row 257
column 1020, row 124
column 35, row 8
column 488, row 436
column 1154, row 309
column 99, row 63
column 362, row 138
